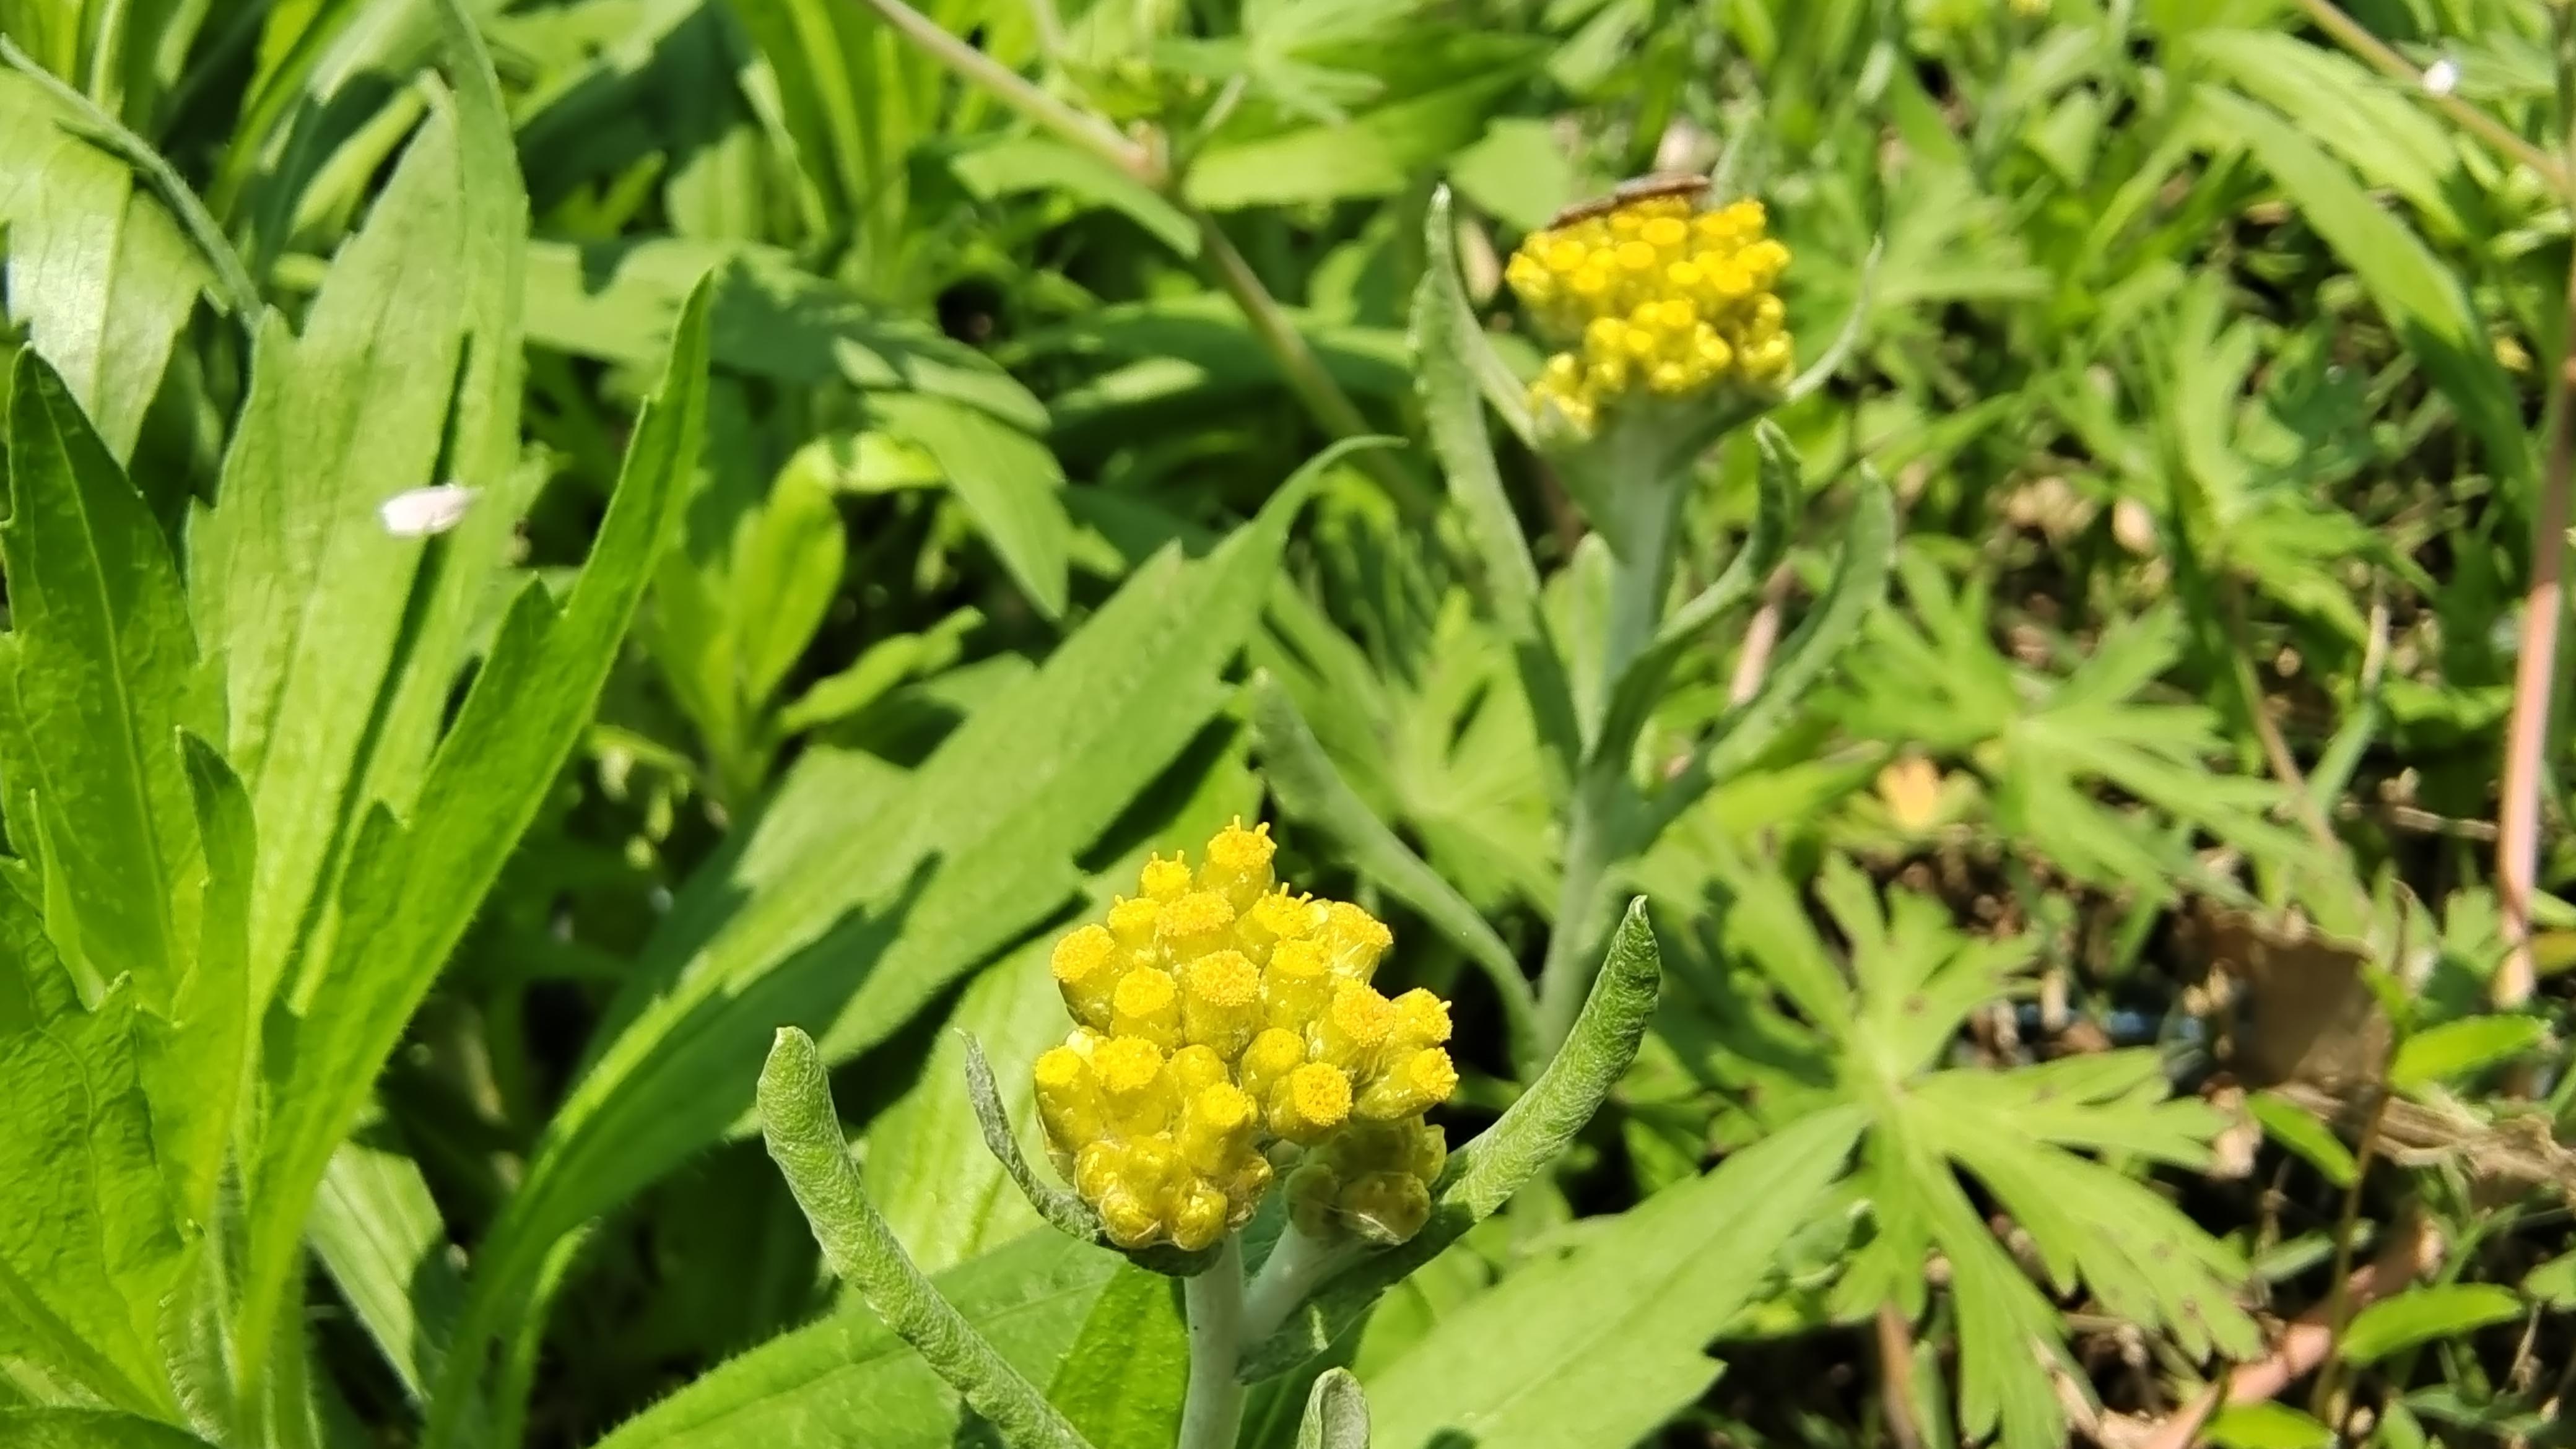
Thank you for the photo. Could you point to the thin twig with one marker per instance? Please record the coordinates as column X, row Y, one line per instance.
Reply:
column 2349, row 33
column 1896, row 1376
column 2535, row 667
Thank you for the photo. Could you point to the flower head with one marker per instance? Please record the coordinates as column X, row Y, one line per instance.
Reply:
column 1227, row 1030
column 1649, row 298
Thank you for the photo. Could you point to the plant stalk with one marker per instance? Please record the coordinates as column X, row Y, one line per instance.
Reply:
column 1212, row 1415
column 2350, row 34
column 2535, row 665
column 1640, row 575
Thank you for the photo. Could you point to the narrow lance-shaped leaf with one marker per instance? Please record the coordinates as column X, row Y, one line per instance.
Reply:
column 411, row 892
column 1485, row 1173
column 107, row 672
column 1310, row 789
column 804, row 1136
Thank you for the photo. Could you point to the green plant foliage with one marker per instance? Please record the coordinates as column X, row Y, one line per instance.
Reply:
column 589, row 588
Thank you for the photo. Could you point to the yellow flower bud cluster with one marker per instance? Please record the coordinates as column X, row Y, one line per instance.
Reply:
column 1372, row 1178
column 1227, row 1028
column 1652, row 297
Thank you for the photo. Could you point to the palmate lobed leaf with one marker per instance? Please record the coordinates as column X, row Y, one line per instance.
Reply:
column 1914, row 979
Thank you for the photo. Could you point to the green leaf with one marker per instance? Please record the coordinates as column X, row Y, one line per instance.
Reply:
column 380, row 1236
column 787, row 569
column 1337, row 1413
column 804, row 1137
column 2295, row 1128
column 2460, row 1048
column 411, row 891
column 616, row 301
column 2553, row 1283
column 107, row 674
column 905, row 884
column 1122, row 1383
column 1009, row 483
column 1602, row 1345
column 89, row 1429
column 1456, row 81
column 2267, row 1426
column 1061, row 1209
column 848, row 1379
column 2426, row 305
column 1311, row 790
column 1858, row 585
column 1452, row 351
column 2425, row 1315
column 1484, row 1174
column 195, row 1062
column 1011, row 165
column 100, row 276
column 295, row 580
column 88, row 1246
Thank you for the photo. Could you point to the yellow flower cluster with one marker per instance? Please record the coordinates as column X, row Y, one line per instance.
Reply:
column 1653, row 297
column 1225, row 1027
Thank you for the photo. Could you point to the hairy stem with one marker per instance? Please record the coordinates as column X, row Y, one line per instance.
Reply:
column 1212, row 1415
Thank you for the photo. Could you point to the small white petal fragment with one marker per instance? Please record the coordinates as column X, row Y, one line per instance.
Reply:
column 2442, row 77
column 421, row 512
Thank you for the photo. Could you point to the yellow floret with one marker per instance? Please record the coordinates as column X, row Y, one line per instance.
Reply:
column 1082, row 968
column 1220, row 1001
column 1195, row 924
column 1355, row 940
column 1312, row 1101
column 1633, row 290
column 1068, row 1101
column 1354, row 1028
column 1164, row 880
column 1238, row 864
column 1414, row 1083
column 1147, row 1005
column 1216, row 1132
column 1296, row 985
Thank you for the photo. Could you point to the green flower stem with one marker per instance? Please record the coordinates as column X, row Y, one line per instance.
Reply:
column 1071, row 124
column 1212, row 1415
column 1643, row 527
column 1296, row 1265
column 804, row 1137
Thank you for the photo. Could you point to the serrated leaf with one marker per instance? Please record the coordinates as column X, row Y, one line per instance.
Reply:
column 1603, row 1344
column 2460, row 1048
column 107, row 673
column 88, row 1245
column 2425, row 1315
column 410, row 892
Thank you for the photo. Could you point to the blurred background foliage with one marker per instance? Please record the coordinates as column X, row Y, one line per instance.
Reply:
column 2213, row 369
